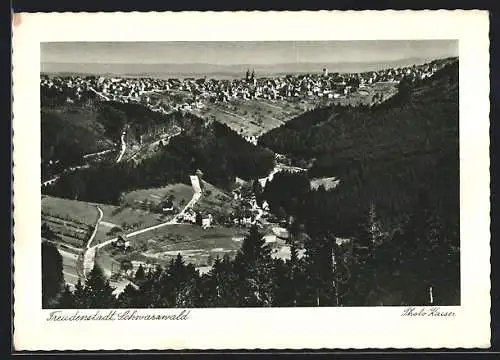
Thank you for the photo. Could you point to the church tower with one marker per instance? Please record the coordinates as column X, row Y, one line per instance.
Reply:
column 247, row 75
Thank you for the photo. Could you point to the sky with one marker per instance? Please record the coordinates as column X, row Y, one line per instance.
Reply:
column 234, row 53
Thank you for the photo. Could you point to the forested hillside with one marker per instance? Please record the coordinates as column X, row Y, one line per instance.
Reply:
column 136, row 118
column 398, row 197
column 66, row 135
column 71, row 130
column 212, row 148
column 384, row 154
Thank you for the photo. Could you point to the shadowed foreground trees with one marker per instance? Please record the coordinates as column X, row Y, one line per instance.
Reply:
column 52, row 274
column 390, row 272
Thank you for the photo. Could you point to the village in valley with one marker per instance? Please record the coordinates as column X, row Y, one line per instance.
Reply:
column 143, row 172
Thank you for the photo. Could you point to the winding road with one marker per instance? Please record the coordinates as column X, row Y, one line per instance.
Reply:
column 97, row 153
column 89, row 254
column 55, row 178
column 124, row 147
column 96, row 226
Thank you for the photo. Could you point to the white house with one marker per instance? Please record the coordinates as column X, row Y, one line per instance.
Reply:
column 207, row 222
column 189, row 217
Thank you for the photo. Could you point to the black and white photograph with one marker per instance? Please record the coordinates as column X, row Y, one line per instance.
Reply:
column 194, row 181
column 250, row 174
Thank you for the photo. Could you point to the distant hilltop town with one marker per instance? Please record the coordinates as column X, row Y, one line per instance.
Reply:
column 203, row 90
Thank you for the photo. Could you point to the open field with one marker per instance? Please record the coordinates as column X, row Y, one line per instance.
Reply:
column 72, row 210
column 126, row 218
column 74, row 220
column 236, row 122
column 198, row 246
column 71, row 220
column 154, row 197
column 253, row 117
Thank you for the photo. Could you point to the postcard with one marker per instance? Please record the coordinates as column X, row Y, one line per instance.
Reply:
column 251, row 180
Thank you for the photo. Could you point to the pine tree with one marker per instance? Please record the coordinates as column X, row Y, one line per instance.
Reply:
column 374, row 227
column 52, row 273
column 150, row 294
column 294, row 272
column 319, row 286
column 100, row 293
column 287, row 277
column 180, row 284
column 257, row 191
column 81, row 296
column 129, row 297
column 215, row 284
column 368, row 238
column 253, row 269
column 140, row 274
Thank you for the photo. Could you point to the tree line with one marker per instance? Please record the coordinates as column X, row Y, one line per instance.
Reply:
column 328, row 274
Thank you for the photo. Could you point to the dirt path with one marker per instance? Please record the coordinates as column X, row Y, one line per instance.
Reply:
column 96, row 227
column 89, row 255
column 124, row 147
column 90, row 252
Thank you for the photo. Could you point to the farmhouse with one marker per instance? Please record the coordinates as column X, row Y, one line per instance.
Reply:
column 206, row 222
column 189, row 216
column 121, row 243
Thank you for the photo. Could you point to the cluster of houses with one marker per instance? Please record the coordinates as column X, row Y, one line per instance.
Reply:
column 321, row 84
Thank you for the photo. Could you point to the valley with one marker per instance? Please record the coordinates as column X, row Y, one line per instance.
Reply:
column 190, row 179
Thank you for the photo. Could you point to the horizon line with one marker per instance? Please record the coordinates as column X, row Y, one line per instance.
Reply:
column 246, row 64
